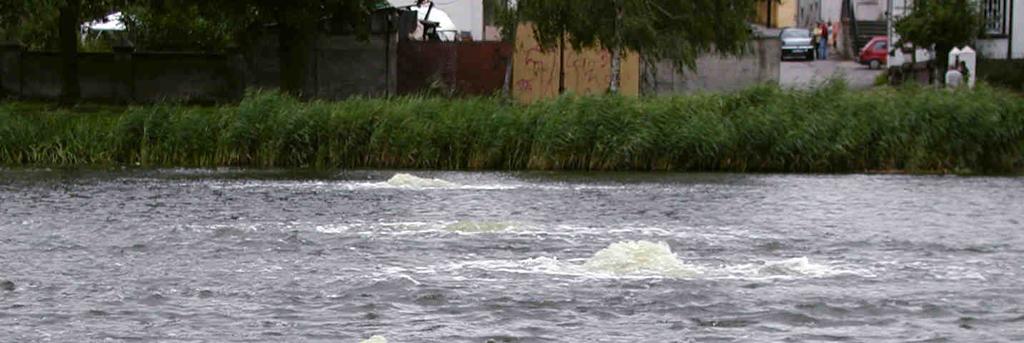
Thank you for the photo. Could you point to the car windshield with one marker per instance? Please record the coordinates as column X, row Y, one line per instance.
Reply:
column 796, row 33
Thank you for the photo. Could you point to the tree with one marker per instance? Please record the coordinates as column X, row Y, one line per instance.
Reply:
column 506, row 16
column 675, row 30
column 54, row 24
column 942, row 25
column 208, row 25
column 554, row 20
column 298, row 23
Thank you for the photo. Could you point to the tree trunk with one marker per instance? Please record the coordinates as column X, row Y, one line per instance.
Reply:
column 296, row 44
column 561, row 63
column 506, row 86
column 942, row 62
column 613, row 86
column 70, row 90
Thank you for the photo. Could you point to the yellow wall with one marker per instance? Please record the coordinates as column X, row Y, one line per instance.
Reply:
column 786, row 13
column 536, row 72
column 783, row 13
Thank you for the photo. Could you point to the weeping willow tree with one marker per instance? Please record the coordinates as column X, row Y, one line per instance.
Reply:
column 674, row 30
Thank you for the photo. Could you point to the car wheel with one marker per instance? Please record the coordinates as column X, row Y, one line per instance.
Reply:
column 875, row 64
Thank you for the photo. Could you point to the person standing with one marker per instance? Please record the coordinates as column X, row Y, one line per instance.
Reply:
column 823, row 42
column 954, row 77
column 816, row 40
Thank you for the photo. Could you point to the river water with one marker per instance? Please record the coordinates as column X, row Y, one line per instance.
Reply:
column 282, row 256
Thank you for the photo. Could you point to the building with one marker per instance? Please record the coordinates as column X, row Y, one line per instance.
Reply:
column 813, row 11
column 467, row 15
column 1002, row 37
column 776, row 13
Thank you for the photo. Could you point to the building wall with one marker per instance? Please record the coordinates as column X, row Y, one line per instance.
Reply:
column 831, row 10
column 716, row 73
column 997, row 48
column 339, row 67
column 870, row 9
column 1018, row 29
column 812, row 11
column 782, row 14
column 536, row 72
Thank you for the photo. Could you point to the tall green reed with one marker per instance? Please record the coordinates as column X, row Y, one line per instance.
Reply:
column 761, row 129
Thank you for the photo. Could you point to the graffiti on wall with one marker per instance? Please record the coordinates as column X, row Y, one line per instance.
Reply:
column 536, row 72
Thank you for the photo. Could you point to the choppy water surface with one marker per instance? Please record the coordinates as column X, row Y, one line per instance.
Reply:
column 229, row 255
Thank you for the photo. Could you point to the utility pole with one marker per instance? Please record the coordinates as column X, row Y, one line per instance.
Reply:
column 888, row 32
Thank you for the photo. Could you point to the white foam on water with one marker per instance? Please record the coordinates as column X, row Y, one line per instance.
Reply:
column 398, row 181
column 623, row 260
column 414, row 228
column 792, row 268
column 476, row 227
column 645, row 260
column 410, row 181
column 375, row 339
column 640, row 258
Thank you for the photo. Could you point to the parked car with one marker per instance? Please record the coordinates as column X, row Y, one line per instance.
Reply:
column 796, row 42
column 876, row 53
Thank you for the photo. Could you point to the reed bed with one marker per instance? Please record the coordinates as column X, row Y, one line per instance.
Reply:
column 762, row 129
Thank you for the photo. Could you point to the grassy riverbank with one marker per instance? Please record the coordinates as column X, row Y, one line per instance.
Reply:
column 763, row 129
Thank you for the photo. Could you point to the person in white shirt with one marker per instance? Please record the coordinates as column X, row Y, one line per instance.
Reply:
column 954, row 78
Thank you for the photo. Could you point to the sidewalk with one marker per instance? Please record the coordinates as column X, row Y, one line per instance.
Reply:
column 807, row 74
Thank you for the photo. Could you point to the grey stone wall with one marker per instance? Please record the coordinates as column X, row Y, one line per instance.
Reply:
column 715, row 73
column 340, row 67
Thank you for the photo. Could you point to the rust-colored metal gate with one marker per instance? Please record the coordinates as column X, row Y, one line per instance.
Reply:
column 465, row 68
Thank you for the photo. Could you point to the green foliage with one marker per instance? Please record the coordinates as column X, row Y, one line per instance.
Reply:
column 181, row 27
column 944, row 24
column 677, row 30
column 34, row 22
column 762, row 129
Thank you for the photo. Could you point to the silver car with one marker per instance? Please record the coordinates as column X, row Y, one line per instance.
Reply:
column 796, row 42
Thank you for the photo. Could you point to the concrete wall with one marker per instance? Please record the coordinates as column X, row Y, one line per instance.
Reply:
column 10, row 69
column 716, row 73
column 340, row 67
column 182, row 76
column 129, row 77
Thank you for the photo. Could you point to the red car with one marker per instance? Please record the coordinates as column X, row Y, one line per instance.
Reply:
column 876, row 53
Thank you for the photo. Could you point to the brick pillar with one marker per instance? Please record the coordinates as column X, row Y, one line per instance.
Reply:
column 10, row 68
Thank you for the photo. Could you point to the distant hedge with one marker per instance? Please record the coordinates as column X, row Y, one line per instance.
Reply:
column 762, row 129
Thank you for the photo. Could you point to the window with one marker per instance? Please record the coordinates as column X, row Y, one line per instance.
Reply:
column 994, row 12
column 881, row 46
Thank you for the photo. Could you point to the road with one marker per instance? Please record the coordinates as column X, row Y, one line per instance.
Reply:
column 801, row 74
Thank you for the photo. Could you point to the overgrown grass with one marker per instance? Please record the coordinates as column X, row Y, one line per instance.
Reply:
column 762, row 129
